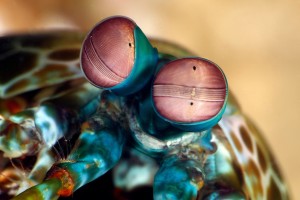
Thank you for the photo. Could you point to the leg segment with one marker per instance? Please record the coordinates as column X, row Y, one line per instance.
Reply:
column 97, row 150
column 61, row 117
column 178, row 178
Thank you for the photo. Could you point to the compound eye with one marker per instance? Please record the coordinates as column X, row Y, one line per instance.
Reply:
column 108, row 52
column 116, row 55
column 190, row 91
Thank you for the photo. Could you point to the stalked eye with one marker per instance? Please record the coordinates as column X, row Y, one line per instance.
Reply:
column 190, row 93
column 116, row 55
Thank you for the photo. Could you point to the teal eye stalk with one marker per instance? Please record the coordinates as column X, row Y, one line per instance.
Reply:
column 116, row 55
column 190, row 93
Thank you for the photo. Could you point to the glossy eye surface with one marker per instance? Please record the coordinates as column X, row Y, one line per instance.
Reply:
column 116, row 55
column 189, row 90
column 107, row 56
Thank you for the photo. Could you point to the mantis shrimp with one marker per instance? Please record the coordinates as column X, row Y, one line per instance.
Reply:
column 150, row 112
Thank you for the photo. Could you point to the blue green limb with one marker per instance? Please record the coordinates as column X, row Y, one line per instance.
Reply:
column 61, row 116
column 41, row 191
column 97, row 150
column 178, row 178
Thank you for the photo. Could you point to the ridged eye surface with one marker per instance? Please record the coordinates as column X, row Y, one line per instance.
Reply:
column 189, row 90
column 108, row 55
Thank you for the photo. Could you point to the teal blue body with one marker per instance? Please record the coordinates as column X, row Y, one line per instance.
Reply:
column 174, row 179
column 97, row 150
column 106, row 120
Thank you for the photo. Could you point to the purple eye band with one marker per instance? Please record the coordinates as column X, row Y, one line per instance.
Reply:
column 192, row 93
column 189, row 90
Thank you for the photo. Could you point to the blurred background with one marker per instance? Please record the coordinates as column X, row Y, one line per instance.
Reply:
column 257, row 43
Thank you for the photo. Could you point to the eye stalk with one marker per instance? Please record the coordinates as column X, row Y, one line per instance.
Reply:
column 116, row 55
column 190, row 93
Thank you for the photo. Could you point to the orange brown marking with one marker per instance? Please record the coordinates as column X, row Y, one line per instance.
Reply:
column 61, row 71
column 276, row 167
column 239, row 173
column 255, row 175
column 15, row 105
column 56, row 67
column 246, row 138
column 261, row 159
column 65, row 54
column 19, row 86
column 273, row 191
column 44, row 78
column 66, row 180
column 236, row 142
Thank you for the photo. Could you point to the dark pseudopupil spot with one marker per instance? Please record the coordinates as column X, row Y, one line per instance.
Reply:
column 191, row 103
column 194, row 68
column 129, row 44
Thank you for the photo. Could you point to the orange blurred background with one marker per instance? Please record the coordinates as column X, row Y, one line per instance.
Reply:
column 257, row 43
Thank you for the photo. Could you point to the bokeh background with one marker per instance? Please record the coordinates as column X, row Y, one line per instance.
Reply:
column 257, row 43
